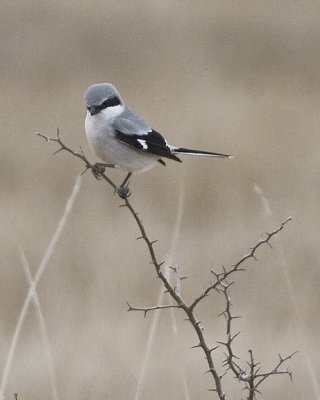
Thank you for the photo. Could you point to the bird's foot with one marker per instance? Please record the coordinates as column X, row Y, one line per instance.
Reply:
column 123, row 191
column 99, row 168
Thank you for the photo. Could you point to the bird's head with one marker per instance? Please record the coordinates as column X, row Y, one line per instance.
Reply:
column 102, row 96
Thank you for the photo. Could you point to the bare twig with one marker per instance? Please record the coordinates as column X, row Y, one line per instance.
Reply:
column 275, row 370
column 221, row 276
column 251, row 378
column 146, row 309
column 171, row 290
column 253, row 249
column 58, row 140
column 230, row 362
column 180, row 303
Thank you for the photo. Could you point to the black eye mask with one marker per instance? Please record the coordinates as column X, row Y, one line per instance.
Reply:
column 111, row 102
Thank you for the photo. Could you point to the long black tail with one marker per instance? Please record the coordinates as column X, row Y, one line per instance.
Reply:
column 190, row 152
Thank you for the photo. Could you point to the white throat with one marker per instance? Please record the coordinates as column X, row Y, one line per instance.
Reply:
column 112, row 112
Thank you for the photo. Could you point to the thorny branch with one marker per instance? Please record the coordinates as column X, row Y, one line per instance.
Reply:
column 74, row 153
column 251, row 375
column 221, row 276
column 146, row 309
column 252, row 378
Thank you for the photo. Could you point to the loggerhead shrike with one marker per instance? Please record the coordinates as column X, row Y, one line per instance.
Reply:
column 122, row 139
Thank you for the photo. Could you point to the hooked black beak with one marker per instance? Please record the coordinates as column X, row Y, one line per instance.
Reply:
column 94, row 110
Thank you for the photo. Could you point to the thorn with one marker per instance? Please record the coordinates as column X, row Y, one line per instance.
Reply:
column 138, row 238
column 222, row 375
column 43, row 136
column 56, row 152
column 223, row 343
column 153, row 242
column 183, row 277
column 214, row 272
column 234, row 336
column 198, row 323
column 214, row 348
column 194, row 347
column 250, row 364
column 85, row 170
column 225, row 363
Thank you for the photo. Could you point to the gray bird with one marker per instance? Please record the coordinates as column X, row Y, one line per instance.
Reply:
column 122, row 139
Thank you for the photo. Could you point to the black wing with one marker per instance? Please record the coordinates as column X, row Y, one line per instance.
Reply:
column 151, row 142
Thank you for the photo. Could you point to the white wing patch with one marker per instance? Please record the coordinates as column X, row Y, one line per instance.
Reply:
column 143, row 144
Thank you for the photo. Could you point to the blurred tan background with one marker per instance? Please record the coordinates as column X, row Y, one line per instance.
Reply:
column 234, row 77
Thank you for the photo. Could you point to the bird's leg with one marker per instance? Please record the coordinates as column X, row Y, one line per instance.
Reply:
column 123, row 184
column 123, row 190
column 99, row 168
